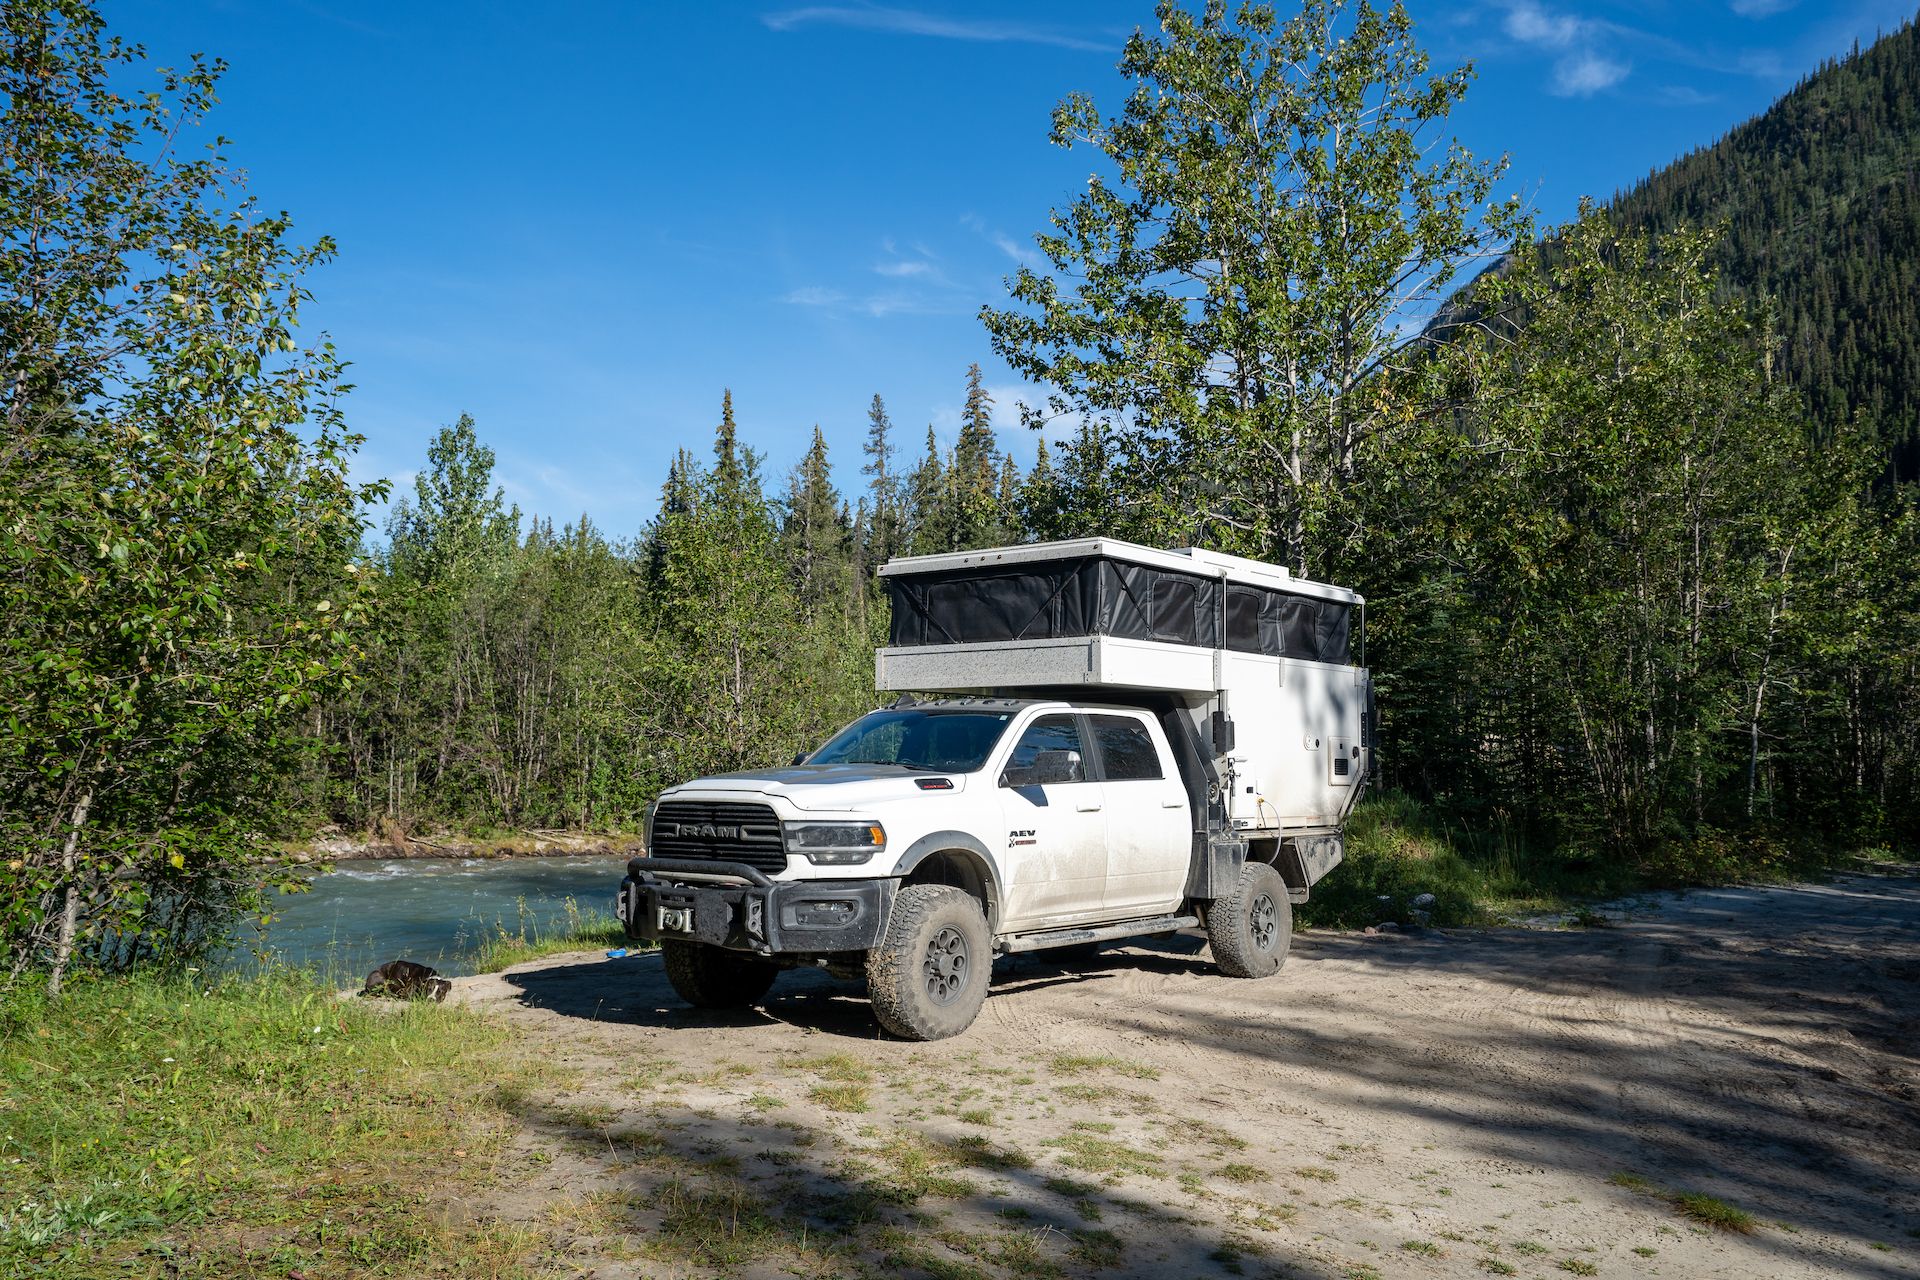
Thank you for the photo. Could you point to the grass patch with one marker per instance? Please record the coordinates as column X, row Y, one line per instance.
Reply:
column 1091, row 1154
column 1074, row 1064
column 1244, row 1173
column 1578, row 1267
column 977, row 1153
column 1398, row 848
column 502, row 948
column 1425, row 1248
column 1097, row 1248
column 837, row 1066
column 1316, row 1173
column 1496, row 1267
column 149, row 1113
column 725, row 1226
column 977, row 1115
column 849, row 1098
column 904, row 1250
column 1710, row 1211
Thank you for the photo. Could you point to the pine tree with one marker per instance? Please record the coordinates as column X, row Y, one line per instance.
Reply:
column 816, row 531
column 929, row 506
column 883, row 486
column 729, row 473
column 976, row 465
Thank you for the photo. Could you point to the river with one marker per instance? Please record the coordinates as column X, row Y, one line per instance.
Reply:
column 432, row 910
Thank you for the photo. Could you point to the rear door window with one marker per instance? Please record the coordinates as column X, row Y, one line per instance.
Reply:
column 1126, row 749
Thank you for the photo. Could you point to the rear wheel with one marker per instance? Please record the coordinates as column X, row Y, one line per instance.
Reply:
column 714, row 978
column 928, row 976
column 1251, row 929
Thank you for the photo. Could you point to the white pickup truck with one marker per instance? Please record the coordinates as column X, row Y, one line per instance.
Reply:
column 1177, row 747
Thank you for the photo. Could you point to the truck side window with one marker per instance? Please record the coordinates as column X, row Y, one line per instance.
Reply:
column 1126, row 749
column 1048, row 733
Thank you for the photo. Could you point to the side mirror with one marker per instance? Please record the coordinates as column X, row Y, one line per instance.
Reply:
column 1048, row 766
column 1056, row 766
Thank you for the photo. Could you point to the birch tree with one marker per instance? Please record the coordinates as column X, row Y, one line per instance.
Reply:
column 1270, row 214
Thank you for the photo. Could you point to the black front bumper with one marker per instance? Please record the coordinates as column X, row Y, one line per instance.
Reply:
column 770, row 917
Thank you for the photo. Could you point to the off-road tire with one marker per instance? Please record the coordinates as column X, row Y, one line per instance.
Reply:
column 928, row 976
column 1251, row 929
column 714, row 978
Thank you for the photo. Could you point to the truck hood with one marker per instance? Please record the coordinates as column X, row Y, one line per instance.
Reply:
column 836, row 787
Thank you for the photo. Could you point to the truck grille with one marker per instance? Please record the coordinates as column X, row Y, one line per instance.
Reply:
column 723, row 832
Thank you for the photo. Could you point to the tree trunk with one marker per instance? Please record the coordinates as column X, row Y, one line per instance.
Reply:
column 70, row 914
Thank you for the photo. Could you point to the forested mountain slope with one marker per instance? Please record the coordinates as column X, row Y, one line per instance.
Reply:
column 1820, row 200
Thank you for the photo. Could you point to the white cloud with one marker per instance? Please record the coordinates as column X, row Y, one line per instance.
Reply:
column 1012, row 248
column 1681, row 95
column 912, row 22
column 1586, row 73
column 1585, row 66
column 1760, row 8
column 900, row 270
column 814, row 296
column 1530, row 24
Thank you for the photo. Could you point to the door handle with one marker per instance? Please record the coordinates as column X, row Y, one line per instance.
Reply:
column 1088, row 806
column 1171, row 804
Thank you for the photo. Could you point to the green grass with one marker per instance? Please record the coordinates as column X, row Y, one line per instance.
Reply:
column 254, row 1124
column 847, row 1097
column 1073, row 1064
column 1398, row 848
column 1090, row 1154
column 502, row 948
column 1707, row 1210
column 1712, row 1212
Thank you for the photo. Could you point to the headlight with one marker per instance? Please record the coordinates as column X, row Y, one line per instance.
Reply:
column 836, row 843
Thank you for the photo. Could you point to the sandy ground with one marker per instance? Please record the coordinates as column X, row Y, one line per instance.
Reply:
column 1451, row 1103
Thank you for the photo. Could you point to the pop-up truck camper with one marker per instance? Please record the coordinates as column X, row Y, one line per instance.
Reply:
column 1092, row 740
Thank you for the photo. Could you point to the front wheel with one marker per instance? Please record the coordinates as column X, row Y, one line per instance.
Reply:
column 928, row 976
column 1251, row 928
column 714, row 978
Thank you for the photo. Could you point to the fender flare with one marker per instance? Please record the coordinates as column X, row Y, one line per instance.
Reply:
column 956, row 841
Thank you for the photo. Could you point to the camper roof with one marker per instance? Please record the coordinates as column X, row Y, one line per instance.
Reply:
column 1212, row 564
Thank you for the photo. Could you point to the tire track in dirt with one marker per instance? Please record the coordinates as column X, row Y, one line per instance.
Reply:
column 1473, row 1090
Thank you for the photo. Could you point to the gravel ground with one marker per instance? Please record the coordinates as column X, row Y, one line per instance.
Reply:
column 1445, row 1103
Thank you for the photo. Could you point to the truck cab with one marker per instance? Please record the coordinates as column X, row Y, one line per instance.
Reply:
column 938, row 832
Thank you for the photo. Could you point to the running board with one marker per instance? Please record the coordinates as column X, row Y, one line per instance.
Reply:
column 1095, row 933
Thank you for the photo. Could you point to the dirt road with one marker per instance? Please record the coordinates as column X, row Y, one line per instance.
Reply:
column 1514, row 1102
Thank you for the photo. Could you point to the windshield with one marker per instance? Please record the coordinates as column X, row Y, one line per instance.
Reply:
column 956, row 741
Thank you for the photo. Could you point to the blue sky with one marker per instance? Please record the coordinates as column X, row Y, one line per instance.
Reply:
column 580, row 221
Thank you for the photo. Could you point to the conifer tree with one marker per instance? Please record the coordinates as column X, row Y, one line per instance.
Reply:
column 883, row 486
column 929, row 502
column 976, row 466
column 816, row 530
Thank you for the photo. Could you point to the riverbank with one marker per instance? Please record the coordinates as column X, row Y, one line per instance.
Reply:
column 331, row 845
